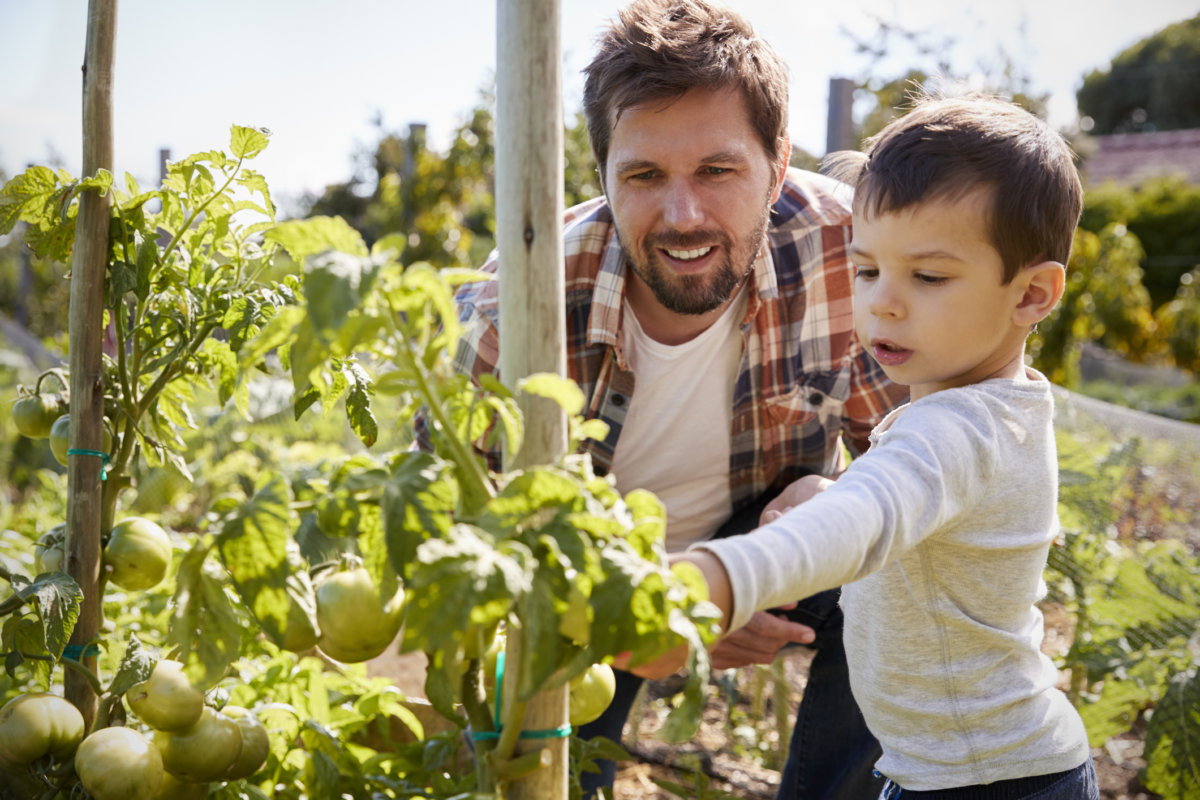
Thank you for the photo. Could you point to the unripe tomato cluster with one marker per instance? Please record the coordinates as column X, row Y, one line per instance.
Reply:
column 191, row 744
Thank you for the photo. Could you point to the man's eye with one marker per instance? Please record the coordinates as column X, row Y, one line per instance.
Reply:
column 643, row 176
column 716, row 170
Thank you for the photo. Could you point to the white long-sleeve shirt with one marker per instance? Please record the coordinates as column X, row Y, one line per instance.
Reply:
column 938, row 536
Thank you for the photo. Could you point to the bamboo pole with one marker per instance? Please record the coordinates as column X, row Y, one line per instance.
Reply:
column 85, row 332
column 529, row 202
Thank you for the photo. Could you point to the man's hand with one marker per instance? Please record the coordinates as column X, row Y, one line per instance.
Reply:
column 759, row 641
column 794, row 494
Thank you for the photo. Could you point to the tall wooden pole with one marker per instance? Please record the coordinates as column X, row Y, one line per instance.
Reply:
column 85, row 332
column 529, row 203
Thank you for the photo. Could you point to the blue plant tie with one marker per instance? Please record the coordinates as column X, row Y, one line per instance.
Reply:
column 75, row 451
column 561, row 732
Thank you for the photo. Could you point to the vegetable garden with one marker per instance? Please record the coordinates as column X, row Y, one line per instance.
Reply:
column 262, row 527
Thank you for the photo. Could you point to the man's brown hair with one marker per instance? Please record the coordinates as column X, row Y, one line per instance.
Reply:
column 660, row 49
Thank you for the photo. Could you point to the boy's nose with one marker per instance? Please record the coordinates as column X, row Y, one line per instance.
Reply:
column 884, row 302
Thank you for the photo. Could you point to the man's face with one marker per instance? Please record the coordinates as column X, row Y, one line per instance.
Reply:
column 690, row 188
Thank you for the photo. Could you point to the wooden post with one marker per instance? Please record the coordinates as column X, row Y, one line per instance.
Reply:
column 529, row 203
column 85, row 332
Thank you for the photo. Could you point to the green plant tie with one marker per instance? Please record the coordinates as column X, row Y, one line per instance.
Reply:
column 75, row 451
column 76, row 652
column 561, row 732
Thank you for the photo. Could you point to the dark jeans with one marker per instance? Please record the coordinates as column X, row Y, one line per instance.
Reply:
column 1074, row 784
column 832, row 754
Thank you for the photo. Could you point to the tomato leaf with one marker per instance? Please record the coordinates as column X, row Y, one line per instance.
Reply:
column 136, row 666
column 55, row 598
column 1173, row 761
column 247, row 142
column 253, row 547
column 309, row 237
column 418, row 503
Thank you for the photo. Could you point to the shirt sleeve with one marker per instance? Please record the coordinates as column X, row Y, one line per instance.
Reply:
column 931, row 466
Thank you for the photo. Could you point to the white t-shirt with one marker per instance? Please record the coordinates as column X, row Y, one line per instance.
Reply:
column 675, row 440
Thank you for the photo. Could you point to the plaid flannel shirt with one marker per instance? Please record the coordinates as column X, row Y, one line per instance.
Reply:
column 804, row 385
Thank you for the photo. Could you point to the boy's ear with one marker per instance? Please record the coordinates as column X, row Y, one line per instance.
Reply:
column 1044, row 284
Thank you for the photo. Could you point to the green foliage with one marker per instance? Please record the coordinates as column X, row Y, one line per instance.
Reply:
column 576, row 573
column 1104, row 302
column 1149, row 86
column 1136, row 605
column 1164, row 214
column 1179, row 322
column 438, row 207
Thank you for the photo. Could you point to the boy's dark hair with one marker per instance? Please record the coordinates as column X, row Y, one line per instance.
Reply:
column 948, row 147
column 659, row 49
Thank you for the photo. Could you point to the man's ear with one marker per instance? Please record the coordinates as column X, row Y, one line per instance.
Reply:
column 785, row 157
column 1044, row 284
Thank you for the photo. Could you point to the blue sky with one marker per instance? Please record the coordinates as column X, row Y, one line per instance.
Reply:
column 317, row 72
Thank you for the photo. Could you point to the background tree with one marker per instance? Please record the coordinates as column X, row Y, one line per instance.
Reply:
column 1152, row 86
column 1164, row 214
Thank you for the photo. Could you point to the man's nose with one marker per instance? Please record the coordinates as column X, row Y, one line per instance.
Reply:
column 683, row 210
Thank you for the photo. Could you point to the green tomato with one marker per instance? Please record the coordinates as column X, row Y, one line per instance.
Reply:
column 204, row 752
column 300, row 633
column 175, row 789
column 589, row 694
column 60, row 432
column 256, row 745
column 119, row 764
column 356, row 623
column 138, row 553
column 50, row 553
column 37, row 724
column 166, row 701
column 34, row 415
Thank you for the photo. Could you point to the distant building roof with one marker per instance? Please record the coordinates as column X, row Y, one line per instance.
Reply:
column 1133, row 157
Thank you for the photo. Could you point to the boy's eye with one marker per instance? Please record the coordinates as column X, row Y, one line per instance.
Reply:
column 930, row 280
column 866, row 273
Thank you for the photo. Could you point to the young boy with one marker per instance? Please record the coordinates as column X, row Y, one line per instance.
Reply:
column 964, row 213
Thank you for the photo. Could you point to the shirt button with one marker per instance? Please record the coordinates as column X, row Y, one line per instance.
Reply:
column 618, row 400
column 816, row 398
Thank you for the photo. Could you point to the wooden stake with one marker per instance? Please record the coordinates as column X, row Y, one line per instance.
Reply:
column 85, row 332
column 529, row 204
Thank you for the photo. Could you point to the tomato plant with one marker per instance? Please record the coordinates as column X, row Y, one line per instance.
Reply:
column 36, row 725
column 137, row 554
column 333, row 556
column 204, row 751
column 166, row 701
column 591, row 693
column 34, row 414
column 358, row 621
column 119, row 764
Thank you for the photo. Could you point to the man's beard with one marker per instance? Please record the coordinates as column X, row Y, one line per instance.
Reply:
column 695, row 294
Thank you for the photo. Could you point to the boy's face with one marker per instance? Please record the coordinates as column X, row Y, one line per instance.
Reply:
column 928, row 300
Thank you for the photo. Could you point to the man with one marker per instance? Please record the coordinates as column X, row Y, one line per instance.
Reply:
column 709, row 324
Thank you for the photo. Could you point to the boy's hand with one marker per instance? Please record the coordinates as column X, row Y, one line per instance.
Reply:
column 757, row 643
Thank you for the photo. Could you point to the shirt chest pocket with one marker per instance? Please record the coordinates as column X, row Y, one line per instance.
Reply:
column 816, row 399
